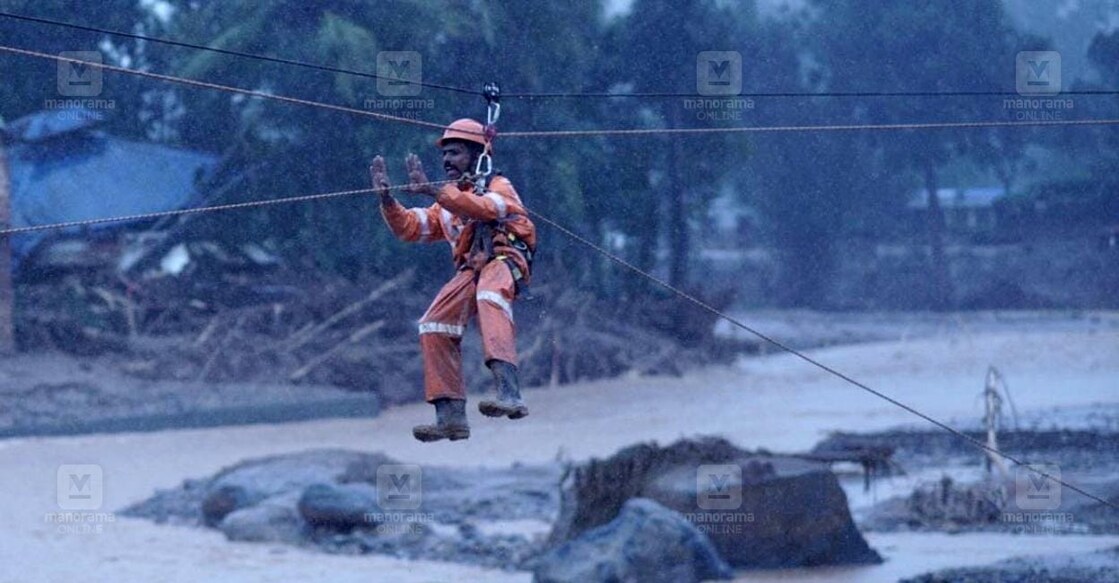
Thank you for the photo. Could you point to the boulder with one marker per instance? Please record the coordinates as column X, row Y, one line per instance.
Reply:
column 646, row 542
column 267, row 477
column 775, row 512
column 274, row 520
column 770, row 511
column 339, row 507
column 224, row 500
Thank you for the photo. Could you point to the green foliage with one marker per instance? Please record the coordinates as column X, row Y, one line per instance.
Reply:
column 811, row 190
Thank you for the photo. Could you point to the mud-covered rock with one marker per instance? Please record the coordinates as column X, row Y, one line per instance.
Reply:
column 339, row 507
column 646, row 542
column 266, row 477
column 770, row 511
column 274, row 520
column 224, row 500
column 767, row 511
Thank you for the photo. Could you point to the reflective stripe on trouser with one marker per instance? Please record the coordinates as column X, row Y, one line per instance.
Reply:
column 442, row 325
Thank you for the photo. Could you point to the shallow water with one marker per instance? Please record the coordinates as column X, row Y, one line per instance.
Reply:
column 775, row 402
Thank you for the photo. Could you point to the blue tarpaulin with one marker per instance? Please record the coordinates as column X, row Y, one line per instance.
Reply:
column 64, row 170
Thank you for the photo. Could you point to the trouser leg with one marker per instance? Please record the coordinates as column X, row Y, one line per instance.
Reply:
column 495, row 312
column 441, row 329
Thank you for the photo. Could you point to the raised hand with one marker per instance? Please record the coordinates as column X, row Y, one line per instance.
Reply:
column 379, row 175
column 417, row 178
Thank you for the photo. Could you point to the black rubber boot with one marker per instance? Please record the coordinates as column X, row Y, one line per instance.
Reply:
column 450, row 415
column 509, row 403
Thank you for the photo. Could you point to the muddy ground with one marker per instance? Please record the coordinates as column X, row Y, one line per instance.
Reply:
column 56, row 392
column 1060, row 365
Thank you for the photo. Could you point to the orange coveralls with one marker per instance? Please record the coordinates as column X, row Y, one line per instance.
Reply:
column 480, row 286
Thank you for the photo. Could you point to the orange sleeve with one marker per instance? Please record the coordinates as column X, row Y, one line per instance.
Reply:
column 498, row 202
column 414, row 224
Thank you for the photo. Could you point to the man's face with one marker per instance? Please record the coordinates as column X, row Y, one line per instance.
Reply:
column 456, row 159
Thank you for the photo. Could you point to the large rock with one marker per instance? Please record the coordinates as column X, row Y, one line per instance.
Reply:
column 772, row 511
column 339, row 507
column 267, row 477
column 274, row 520
column 223, row 501
column 645, row 543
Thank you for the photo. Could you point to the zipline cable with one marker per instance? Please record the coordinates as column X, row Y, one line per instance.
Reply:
column 226, row 88
column 572, row 234
column 804, row 94
column 782, row 346
column 569, row 133
column 233, row 53
column 207, row 209
column 530, row 95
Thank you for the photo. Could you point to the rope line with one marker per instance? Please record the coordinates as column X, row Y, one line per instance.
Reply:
column 801, row 94
column 230, row 52
column 208, row 209
column 521, row 95
column 739, row 324
column 227, row 88
column 571, row 133
column 570, row 233
column 808, row 128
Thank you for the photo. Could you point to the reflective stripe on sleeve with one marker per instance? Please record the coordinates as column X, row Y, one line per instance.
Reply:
column 425, row 227
column 498, row 201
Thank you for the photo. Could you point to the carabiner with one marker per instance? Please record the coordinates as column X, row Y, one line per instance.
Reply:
column 484, row 167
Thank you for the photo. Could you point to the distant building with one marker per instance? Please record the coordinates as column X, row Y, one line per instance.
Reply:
column 967, row 211
column 730, row 223
column 64, row 169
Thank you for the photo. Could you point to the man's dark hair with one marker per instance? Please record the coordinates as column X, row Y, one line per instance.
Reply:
column 474, row 148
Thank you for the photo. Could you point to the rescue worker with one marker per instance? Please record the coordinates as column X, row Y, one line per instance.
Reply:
column 492, row 240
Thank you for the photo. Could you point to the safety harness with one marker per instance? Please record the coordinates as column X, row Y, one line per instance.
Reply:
column 484, row 231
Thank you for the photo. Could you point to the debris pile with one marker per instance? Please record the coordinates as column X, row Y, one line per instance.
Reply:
column 203, row 311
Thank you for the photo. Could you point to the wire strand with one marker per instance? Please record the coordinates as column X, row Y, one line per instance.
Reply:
column 803, row 94
column 226, row 88
column 807, row 128
column 568, row 232
column 780, row 345
column 280, row 60
column 522, row 95
column 208, row 209
column 565, row 133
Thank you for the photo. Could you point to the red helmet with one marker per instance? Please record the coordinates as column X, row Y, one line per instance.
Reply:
column 467, row 130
